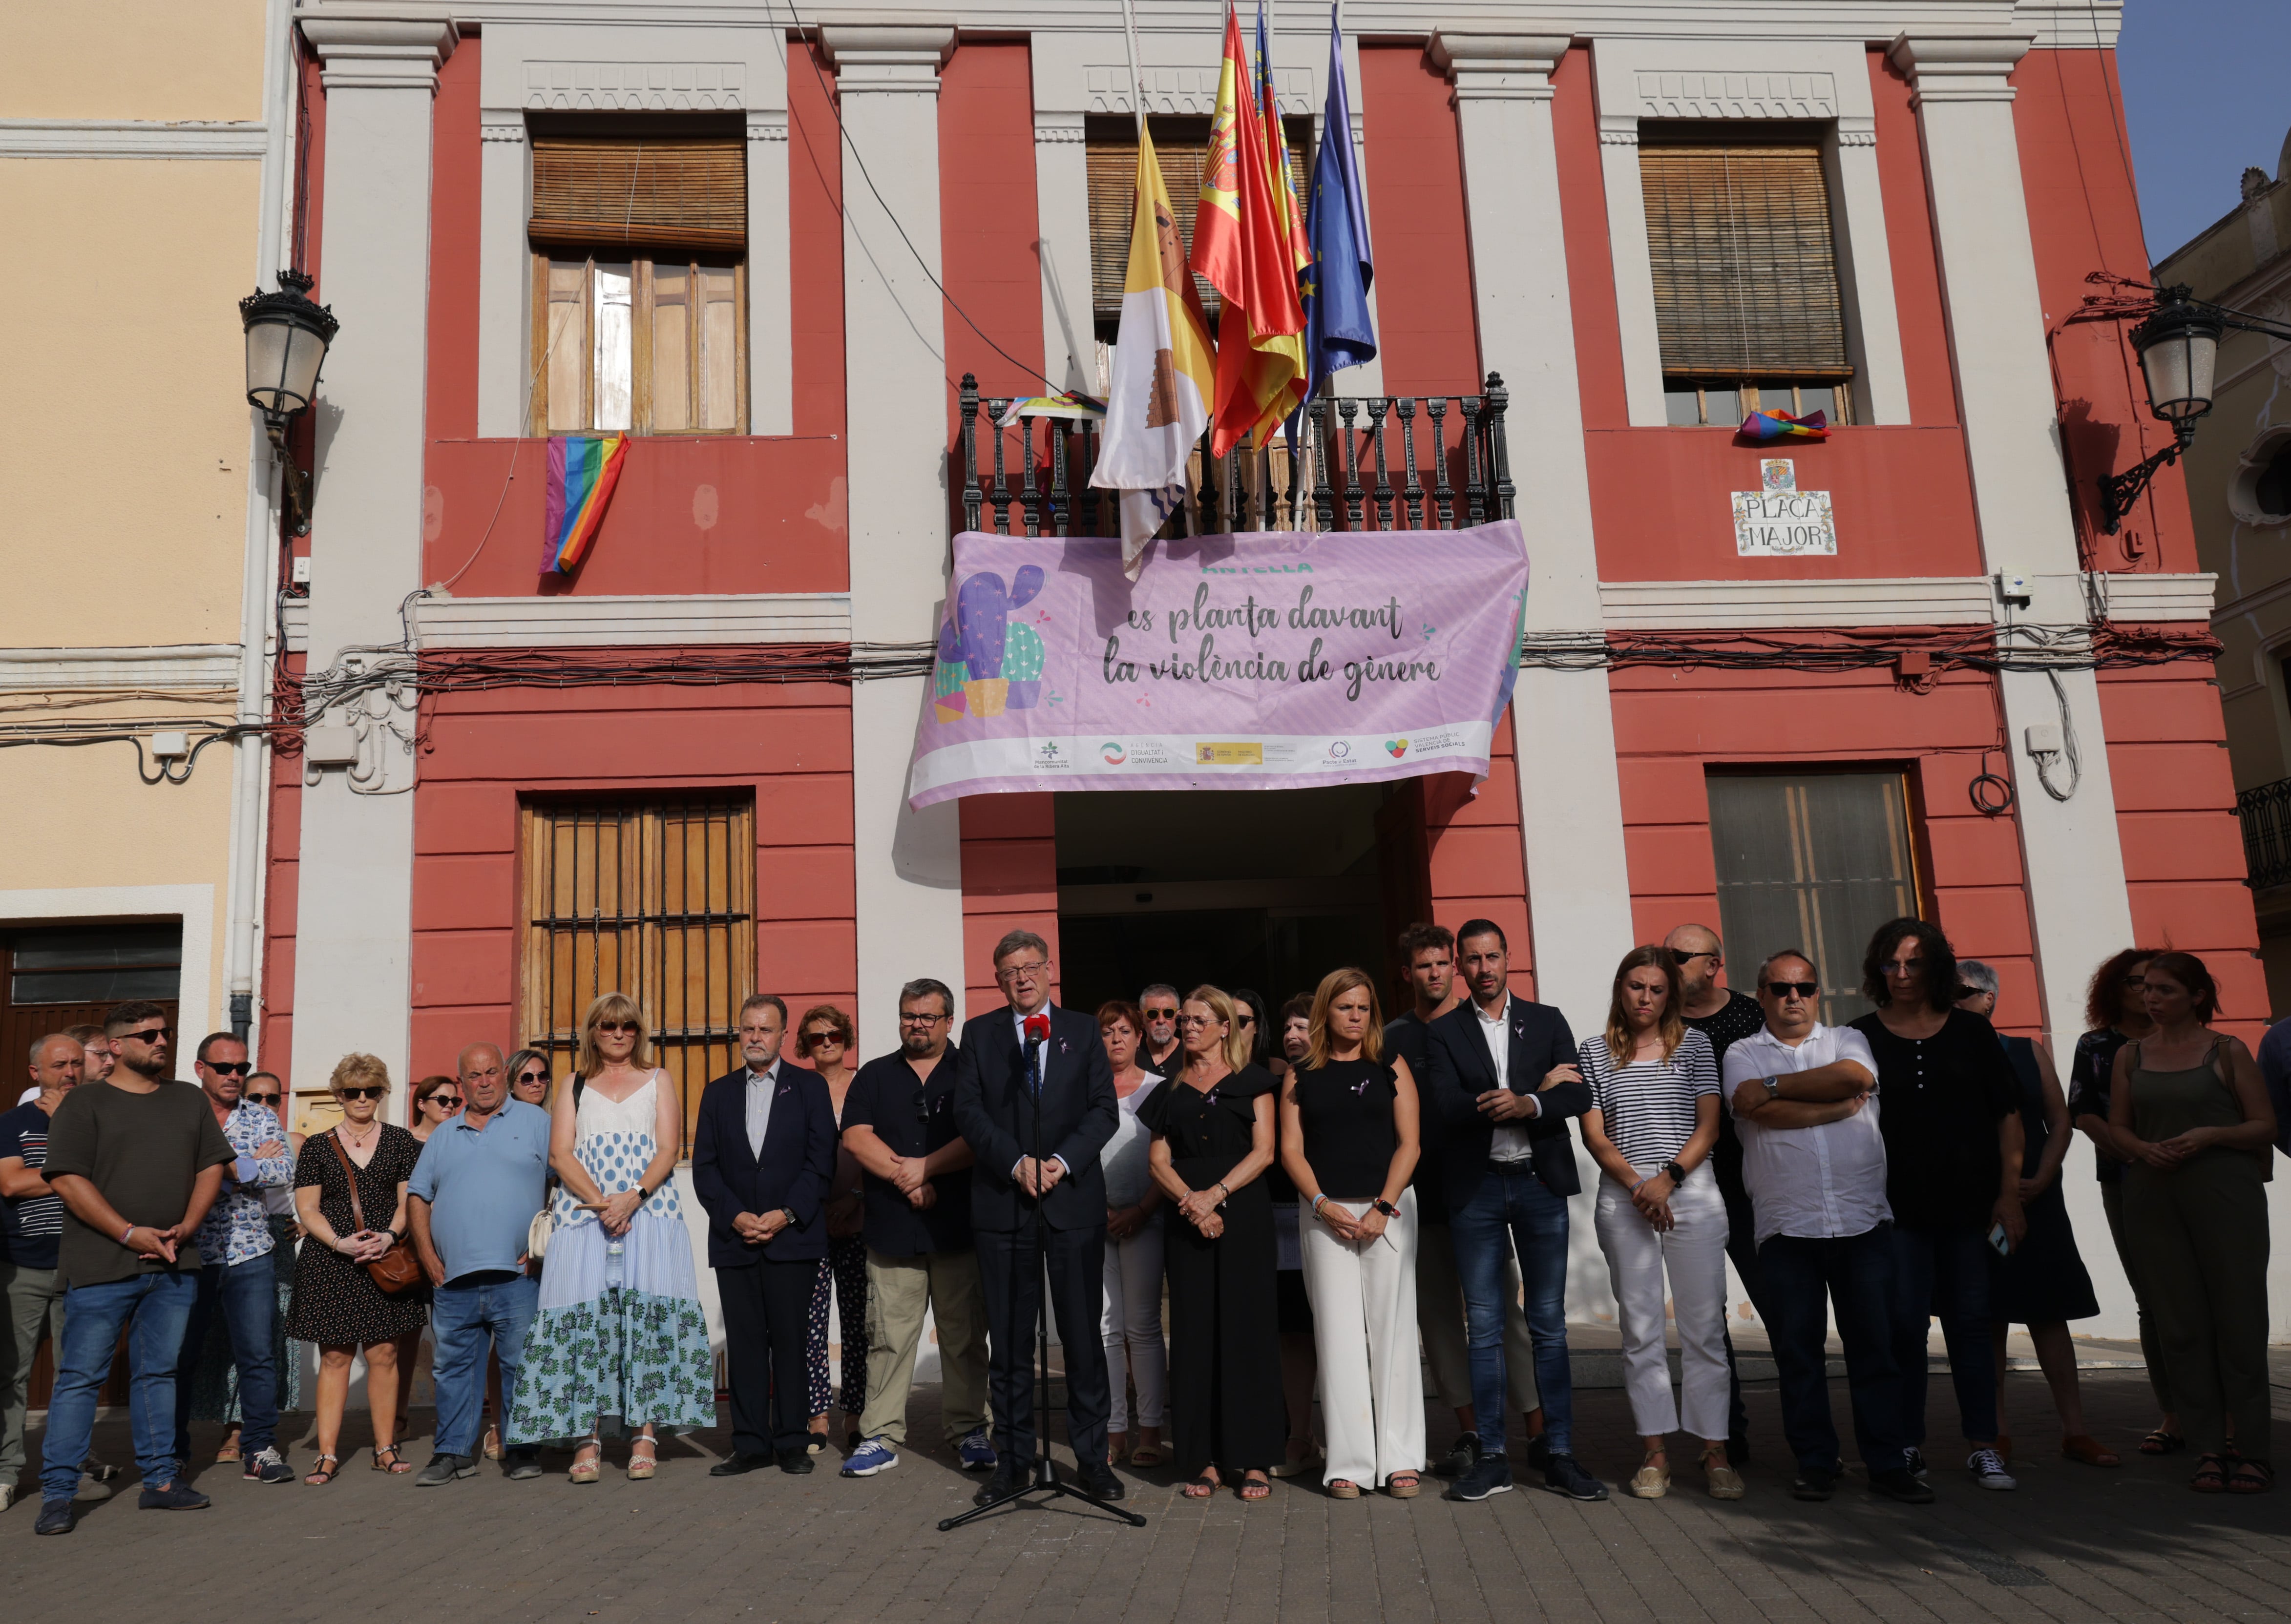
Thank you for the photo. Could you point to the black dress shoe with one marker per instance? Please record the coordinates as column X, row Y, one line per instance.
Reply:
column 795, row 1462
column 1096, row 1478
column 1007, row 1479
column 736, row 1466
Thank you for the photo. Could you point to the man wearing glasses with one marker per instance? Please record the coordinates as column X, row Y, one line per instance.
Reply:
column 898, row 1124
column 1805, row 1097
column 137, row 1163
column 238, row 1276
column 1031, row 1075
column 1160, row 1054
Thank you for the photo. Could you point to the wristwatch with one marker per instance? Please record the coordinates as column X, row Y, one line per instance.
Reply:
column 1676, row 1173
column 791, row 1216
column 1387, row 1208
column 1773, row 1087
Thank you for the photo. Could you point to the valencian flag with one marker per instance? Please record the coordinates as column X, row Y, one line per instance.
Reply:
column 1164, row 370
column 1337, row 332
column 583, row 469
column 1242, row 245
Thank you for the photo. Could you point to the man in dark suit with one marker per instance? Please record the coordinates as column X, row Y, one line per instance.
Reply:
column 1501, row 1074
column 1031, row 1075
column 762, row 1158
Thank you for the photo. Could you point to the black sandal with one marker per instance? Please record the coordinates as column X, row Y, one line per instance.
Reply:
column 324, row 1471
column 1201, row 1488
column 2250, row 1477
column 2162, row 1442
column 388, row 1460
column 2211, row 1474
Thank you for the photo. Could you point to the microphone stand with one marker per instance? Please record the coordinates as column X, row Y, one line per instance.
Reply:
column 1044, row 1478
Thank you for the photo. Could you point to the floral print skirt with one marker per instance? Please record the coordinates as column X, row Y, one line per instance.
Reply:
column 618, row 1343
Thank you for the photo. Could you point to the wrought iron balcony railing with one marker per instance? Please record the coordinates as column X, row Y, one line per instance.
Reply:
column 1445, row 452
column 2265, row 814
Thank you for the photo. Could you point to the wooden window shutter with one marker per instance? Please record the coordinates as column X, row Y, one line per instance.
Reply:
column 1112, row 196
column 671, row 192
column 1745, row 267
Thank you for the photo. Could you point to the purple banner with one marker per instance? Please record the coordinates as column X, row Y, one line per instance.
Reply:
column 1265, row 661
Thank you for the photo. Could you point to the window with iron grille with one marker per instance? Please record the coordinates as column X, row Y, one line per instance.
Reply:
column 654, row 898
column 1748, row 304
column 1814, row 861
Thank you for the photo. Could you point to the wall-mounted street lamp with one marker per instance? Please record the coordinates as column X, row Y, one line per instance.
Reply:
column 287, row 339
column 2178, row 346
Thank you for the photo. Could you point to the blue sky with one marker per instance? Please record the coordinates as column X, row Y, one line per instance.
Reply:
column 2206, row 93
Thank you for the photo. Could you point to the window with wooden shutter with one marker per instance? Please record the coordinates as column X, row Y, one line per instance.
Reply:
column 640, row 284
column 1179, row 145
column 653, row 897
column 1746, row 288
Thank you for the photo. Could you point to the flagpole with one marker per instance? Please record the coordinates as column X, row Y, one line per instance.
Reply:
column 1136, row 80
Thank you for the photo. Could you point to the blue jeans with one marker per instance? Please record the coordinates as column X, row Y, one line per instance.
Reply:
column 467, row 1315
column 155, row 1305
column 1945, row 1272
column 246, row 1295
column 1803, row 1278
column 1513, row 1210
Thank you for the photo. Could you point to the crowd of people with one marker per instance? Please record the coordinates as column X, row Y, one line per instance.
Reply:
column 1330, row 1208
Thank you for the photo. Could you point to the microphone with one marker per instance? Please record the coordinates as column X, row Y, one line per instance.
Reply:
column 1038, row 1029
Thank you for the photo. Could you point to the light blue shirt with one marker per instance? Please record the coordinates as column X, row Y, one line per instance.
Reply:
column 483, row 1186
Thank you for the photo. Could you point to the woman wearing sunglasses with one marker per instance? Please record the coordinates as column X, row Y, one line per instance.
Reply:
column 824, row 1039
column 435, row 1098
column 214, row 1395
column 620, row 1341
column 336, row 1303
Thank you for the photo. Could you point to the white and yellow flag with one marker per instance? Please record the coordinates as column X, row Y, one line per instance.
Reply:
column 1164, row 372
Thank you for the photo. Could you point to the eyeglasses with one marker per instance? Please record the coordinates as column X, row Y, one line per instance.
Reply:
column 227, row 1068
column 361, row 1093
column 920, row 1020
column 1804, row 989
column 532, row 1076
column 1683, row 960
column 1011, row 973
column 1901, row 967
column 618, row 1026
column 1197, row 1020
column 261, row 1099
column 155, row 1035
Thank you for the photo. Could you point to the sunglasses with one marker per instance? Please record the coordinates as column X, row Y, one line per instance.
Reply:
column 1246, row 1018
column 156, row 1034
column 1683, row 960
column 532, row 1077
column 450, row 1102
column 363, row 1093
column 1804, row 989
column 229, row 1068
column 618, row 1026
column 261, row 1099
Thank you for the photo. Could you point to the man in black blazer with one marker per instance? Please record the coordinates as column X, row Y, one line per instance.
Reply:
column 1501, row 1074
column 1028, row 1075
column 763, row 1155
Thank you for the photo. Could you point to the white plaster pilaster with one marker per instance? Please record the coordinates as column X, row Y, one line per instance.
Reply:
column 771, row 293
column 353, row 947
column 1570, row 823
column 2070, row 850
column 1061, row 217
column 907, row 864
column 504, row 272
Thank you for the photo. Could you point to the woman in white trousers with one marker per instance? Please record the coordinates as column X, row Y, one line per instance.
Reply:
column 1349, row 1143
column 1132, row 1326
column 1652, row 1124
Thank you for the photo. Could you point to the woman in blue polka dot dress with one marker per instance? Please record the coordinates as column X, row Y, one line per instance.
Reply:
column 620, row 1343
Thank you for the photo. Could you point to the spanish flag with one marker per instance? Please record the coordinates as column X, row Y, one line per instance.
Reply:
column 1164, row 365
column 1243, row 245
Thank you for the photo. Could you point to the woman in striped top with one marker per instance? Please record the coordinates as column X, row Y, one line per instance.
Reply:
column 1653, row 1121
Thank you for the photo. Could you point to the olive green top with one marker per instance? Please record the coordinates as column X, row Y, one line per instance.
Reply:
column 2165, row 1105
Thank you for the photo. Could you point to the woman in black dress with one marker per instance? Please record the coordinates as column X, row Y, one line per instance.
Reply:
column 1212, row 1128
column 336, row 1303
column 2043, row 1284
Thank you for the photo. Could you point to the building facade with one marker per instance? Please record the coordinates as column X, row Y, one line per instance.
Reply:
column 772, row 253
column 146, row 148
column 2239, row 475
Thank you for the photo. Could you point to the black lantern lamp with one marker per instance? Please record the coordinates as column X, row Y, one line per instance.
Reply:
column 287, row 339
column 2178, row 346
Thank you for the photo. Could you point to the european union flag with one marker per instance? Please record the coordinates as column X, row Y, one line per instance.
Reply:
column 1337, row 332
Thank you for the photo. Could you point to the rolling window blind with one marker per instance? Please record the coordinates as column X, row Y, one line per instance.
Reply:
column 1745, row 269
column 1112, row 188
column 684, row 193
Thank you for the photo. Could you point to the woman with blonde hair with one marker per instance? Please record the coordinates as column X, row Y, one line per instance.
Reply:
column 350, row 1197
column 1212, row 1128
column 824, row 1039
column 619, row 1340
column 1350, row 1139
column 1651, row 1127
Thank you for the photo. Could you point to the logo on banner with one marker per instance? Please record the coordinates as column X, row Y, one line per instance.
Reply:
column 1339, row 750
column 1398, row 747
column 1048, row 755
column 1114, row 753
column 1229, row 754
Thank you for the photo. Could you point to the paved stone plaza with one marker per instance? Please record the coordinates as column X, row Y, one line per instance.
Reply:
column 2074, row 1543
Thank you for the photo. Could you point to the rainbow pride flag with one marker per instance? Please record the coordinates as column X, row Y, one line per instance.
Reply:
column 583, row 469
column 1771, row 425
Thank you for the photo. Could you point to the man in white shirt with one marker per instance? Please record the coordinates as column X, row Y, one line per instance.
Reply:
column 1805, row 1097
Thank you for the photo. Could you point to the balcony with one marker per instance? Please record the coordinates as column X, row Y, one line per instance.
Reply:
column 1364, row 462
column 2265, row 814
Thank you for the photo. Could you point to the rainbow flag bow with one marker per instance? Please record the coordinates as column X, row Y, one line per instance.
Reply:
column 1778, row 425
column 583, row 469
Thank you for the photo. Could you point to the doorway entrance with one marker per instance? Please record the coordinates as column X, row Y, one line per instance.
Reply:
column 1267, row 890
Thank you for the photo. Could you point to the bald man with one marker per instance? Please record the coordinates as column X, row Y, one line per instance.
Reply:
column 34, row 1221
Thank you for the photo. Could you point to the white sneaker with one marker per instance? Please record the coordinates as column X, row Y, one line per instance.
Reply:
column 1987, row 1469
column 7, row 1495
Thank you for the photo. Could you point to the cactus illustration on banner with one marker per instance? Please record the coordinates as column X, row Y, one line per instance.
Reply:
column 982, row 640
column 950, row 676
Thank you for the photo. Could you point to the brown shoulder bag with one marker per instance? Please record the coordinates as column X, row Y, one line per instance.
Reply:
column 395, row 1270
